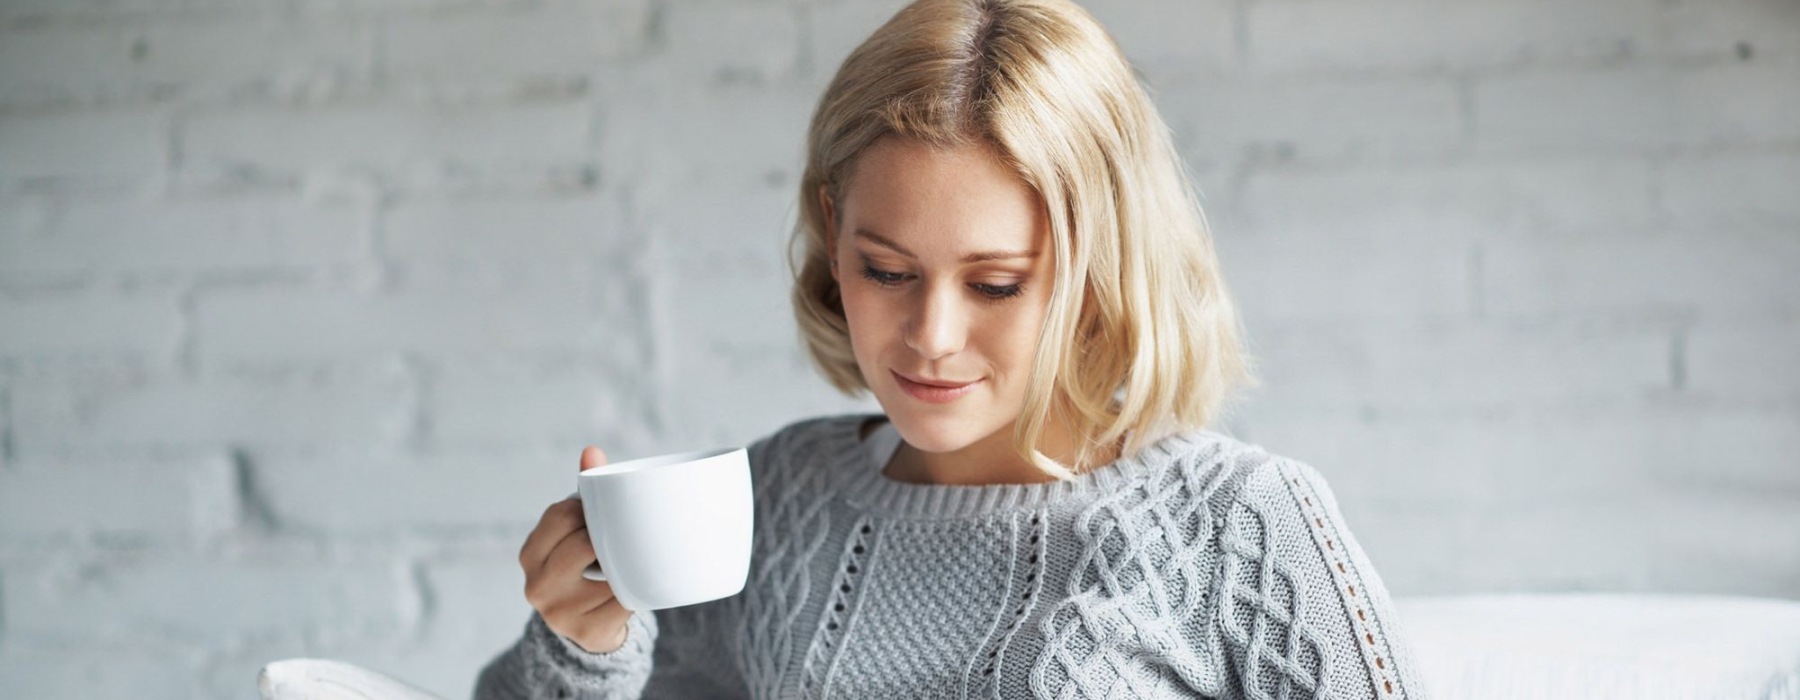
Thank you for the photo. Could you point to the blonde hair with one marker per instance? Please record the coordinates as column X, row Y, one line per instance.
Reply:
column 1141, row 338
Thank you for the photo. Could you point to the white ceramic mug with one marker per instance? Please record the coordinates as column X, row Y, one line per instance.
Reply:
column 672, row 530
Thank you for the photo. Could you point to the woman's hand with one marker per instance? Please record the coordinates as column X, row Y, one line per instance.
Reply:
column 553, row 557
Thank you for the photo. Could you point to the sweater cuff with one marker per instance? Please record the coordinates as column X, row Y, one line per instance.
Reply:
column 620, row 673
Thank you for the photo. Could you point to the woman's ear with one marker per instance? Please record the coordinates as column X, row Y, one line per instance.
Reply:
column 830, row 228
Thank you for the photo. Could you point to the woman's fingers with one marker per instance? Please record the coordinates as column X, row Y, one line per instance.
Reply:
column 557, row 589
column 570, row 556
column 591, row 457
column 559, row 583
column 603, row 629
column 560, row 519
column 553, row 556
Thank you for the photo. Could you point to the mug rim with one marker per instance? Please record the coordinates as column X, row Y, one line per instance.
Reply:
column 673, row 459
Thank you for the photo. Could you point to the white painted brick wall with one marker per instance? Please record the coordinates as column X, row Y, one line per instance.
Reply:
column 1415, row 36
column 167, row 501
column 105, row 323
column 296, row 409
column 1732, row 190
column 306, row 308
column 149, row 598
column 386, row 138
column 1277, row 118
column 100, row 146
column 731, row 41
column 152, row 672
column 542, row 42
column 180, row 235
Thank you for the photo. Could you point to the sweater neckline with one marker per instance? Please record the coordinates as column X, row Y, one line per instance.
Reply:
column 868, row 489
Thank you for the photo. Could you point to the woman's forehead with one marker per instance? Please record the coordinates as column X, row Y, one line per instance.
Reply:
column 918, row 197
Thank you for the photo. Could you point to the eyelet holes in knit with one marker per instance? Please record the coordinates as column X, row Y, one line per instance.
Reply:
column 840, row 603
column 1034, row 542
column 1368, row 637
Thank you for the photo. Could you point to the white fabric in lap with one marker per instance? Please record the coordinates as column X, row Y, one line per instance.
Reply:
column 324, row 679
column 1598, row 646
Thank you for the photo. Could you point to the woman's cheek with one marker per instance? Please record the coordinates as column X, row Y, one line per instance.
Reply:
column 862, row 311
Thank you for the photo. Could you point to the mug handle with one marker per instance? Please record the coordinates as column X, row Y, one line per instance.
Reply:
column 592, row 572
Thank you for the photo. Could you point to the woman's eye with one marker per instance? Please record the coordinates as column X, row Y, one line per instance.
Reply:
column 994, row 292
column 883, row 277
column 999, row 291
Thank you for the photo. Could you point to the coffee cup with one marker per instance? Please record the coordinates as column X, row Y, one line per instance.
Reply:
column 671, row 530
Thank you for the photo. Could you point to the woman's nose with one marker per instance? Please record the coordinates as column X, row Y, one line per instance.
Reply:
column 939, row 323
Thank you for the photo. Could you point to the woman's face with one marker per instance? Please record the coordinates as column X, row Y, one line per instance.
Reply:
column 943, row 260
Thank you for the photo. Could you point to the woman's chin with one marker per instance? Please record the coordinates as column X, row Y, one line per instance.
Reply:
column 937, row 433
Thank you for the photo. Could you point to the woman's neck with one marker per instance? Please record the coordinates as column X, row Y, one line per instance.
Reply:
column 990, row 460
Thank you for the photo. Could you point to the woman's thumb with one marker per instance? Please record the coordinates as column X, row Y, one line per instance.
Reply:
column 592, row 457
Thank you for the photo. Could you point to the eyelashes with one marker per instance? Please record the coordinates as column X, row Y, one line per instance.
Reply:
column 882, row 277
column 993, row 292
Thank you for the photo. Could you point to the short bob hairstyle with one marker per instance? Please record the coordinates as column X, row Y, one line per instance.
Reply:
column 1141, row 339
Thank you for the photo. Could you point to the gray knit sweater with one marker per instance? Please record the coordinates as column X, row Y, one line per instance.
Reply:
column 1201, row 567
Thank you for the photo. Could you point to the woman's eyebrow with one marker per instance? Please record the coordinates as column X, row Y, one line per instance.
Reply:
column 983, row 256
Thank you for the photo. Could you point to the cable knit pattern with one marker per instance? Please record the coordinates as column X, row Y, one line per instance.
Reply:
column 1144, row 560
column 1290, row 633
column 1201, row 567
column 793, row 524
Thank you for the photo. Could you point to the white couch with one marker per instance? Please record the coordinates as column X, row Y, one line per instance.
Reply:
column 1579, row 646
column 1606, row 645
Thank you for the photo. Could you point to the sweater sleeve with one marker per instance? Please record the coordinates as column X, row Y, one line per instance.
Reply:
column 1301, row 611
column 675, row 653
column 544, row 665
column 696, row 656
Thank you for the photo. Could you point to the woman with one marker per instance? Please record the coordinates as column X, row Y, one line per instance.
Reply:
column 998, row 242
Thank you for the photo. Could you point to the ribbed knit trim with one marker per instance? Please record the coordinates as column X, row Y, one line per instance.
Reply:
column 869, row 490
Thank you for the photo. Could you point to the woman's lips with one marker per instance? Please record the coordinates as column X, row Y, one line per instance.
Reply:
column 933, row 393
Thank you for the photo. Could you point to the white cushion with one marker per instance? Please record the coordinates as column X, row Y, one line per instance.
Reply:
column 1599, row 646
column 320, row 679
